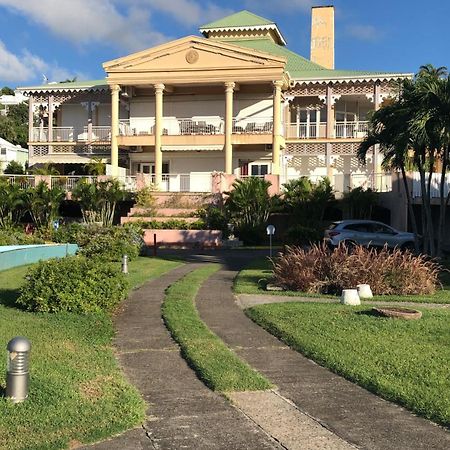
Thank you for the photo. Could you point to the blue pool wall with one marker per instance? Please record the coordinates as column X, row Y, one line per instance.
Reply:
column 20, row 255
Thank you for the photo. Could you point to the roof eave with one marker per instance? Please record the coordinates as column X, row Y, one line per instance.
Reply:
column 368, row 77
column 39, row 89
column 272, row 26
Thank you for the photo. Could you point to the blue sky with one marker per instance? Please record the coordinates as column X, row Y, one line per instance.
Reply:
column 67, row 38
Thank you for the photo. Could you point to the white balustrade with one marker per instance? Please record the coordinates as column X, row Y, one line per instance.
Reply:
column 302, row 130
column 184, row 182
column 24, row 181
column 252, row 125
column 351, row 130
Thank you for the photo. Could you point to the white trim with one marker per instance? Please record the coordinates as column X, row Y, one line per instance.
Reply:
column 193, row 148
column 246, row 28
column 345, row 78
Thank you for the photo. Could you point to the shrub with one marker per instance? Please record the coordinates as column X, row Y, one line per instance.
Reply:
column 144, row 198
column 14, row 168
column 18, row 237
column 109, row 243
column 76, row 283
column 359, row 203
column 215, row 218
column 249, row 206
column 301, row 235
column 173, row 224
column 319, row 270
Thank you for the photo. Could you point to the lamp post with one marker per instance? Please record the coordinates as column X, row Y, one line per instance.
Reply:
column 125, row 264
column 270, row 231
column 17, row 375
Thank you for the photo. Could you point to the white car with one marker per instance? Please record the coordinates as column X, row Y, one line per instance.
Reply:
column 369, row 233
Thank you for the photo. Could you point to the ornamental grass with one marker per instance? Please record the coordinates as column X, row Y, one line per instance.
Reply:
column 323, row 271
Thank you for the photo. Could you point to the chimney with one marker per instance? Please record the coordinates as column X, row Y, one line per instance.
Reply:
column 322, row 36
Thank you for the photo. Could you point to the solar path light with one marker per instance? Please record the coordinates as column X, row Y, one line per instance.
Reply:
column 270, row 231
column 125, row 264
column 17, row 375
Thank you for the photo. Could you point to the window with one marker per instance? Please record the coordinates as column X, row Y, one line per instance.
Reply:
column 259, row 170
column 3, row 151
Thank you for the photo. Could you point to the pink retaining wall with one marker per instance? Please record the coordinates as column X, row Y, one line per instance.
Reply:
column 207, row 238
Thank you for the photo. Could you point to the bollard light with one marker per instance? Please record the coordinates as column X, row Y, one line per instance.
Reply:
column 17, row 374
column 125, row 264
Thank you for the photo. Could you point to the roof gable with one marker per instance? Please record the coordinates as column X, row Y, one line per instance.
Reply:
column 193, row 59
column 243, row 21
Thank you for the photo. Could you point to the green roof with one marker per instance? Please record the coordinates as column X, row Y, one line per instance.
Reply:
column 240, row 19
column 297, row 66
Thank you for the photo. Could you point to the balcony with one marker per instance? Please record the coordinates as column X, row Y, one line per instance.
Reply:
column 342, row 130
column 197, row 125
column 70, row 134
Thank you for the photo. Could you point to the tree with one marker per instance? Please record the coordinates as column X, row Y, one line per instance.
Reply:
column 14, row 168
column 46, row 169
column 11, row 204
column 14, row 126
column 95, row 166
column 5, row 90
column 248, row 205
column 417, row 122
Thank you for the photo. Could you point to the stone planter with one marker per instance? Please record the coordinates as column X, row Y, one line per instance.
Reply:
column 364, row 291
column 350, row 297
column 202, row 238
column 398, row 313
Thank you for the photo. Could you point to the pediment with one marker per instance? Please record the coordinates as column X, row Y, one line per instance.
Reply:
column 194, row 54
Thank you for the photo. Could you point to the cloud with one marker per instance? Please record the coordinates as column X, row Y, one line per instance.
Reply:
column 27, row 66
column 86, row 21
column 364, row 32
column 280, row 6
column 189, row 12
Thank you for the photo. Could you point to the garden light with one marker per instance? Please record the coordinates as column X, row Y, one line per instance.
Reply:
column 125, row 264
column 17, row 375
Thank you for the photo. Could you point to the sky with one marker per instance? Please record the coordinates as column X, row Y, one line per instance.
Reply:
column 63, row 39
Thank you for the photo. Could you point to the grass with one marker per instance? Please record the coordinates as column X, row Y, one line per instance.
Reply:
column 403, row 361
column 215, row 364
column 254, row 278
column 77, row 391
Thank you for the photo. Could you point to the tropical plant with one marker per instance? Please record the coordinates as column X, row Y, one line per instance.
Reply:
column 417, row 123
column 95, row 166
column 14, row 168
column 12, row 205
column 249, row 205
column 307, row 201
column 46, row 169
column 359, row 203
column 43, row 204
column 98, row 199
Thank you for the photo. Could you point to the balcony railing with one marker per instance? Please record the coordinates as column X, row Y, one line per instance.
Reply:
column 184, row 182
column 252, row 125
column 71, row 134
column 351, row 129
column 24, row 181
column 306, row 131
column 380, row 182
column 434, row 187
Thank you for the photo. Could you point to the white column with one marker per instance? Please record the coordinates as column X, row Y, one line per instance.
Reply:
column 30, row 118
column 115, row 89
column 376, row 148
column 317, row 123
column 159, row 89
column 276, row 137
column 308, row 123
column 330, row 113
column 229, row 90
column 50, row 119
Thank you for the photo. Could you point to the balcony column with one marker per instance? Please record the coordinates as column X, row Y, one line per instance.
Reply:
column 30, row 119
column 50, row 119
column 277, row 132
column 376, row 148
column 229, row 90
column 159, row 90
column 330, row 112
column 115, row 89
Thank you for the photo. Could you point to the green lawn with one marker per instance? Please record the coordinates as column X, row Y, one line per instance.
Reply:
column 77, row 391
column 253, row 279
column 403, row 361
column 216, row 365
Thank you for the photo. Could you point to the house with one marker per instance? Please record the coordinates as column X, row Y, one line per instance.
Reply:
column 234, row 101
column 6, row 101
column 10, row 152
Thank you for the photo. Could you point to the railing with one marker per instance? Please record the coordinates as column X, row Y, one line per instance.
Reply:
column 71, row 134
column 380, row 182
column 129, row 183
column 67, row 183
column 96, row 134
column 434, row 187
column 184, row 182
column 194, row 125
column 252, row 125
column 351, row 129
column 304, row 131
column 24, row 181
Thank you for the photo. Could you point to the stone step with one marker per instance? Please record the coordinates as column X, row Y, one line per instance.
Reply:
column 156, row 219
column 164, row 212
